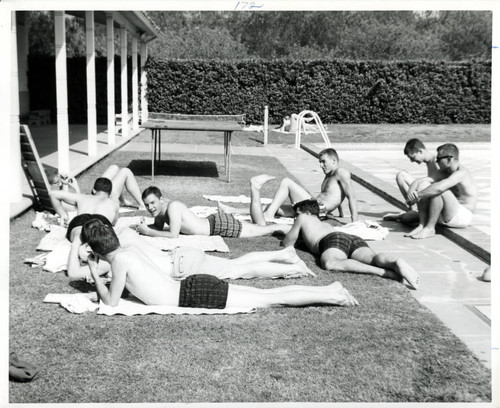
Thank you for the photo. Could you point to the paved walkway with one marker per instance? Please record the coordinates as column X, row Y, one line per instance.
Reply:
column 451, row 286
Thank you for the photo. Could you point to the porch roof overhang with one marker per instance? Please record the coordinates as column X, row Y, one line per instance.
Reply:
column 136, row 22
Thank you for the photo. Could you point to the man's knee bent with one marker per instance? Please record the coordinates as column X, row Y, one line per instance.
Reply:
column 330, row 264
column 402, row 178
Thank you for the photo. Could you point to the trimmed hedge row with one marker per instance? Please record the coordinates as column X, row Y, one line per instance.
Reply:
column 339, row 91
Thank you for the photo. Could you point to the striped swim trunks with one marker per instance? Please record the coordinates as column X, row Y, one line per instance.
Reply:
column 224, row 225
column 340, row 240
column 204, row 291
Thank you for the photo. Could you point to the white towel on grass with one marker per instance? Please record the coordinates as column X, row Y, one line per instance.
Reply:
column 205, row 211
column 132, row 306
column 81, row 303
column 366, row 229
column 234, row 199
column 205, row 243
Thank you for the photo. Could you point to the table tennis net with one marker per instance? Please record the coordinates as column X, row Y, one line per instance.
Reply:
column 181, row 116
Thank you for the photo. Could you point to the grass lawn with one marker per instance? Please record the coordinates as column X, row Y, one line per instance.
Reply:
column 342, row 133
column 388, row 349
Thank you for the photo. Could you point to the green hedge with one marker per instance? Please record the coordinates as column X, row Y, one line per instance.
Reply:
column 339, row 91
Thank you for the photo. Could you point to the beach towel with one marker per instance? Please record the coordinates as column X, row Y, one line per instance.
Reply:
column 81, row 303
column 366, row 229
column 205, row 243
column 234, row 199
column 204, row 211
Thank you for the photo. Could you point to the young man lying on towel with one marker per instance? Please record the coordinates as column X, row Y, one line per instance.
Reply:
column 187, row 261
column 133, row 269
column 180, row 219
column 339, row 251
column 336, row 187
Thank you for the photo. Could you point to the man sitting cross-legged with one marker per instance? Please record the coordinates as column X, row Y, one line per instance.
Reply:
column 185, row 261
column 180, row 219
column 416, row 152
column 106, row 197
column 339, row 251
column 335, row 188
column 448, row 200
column 134, row 270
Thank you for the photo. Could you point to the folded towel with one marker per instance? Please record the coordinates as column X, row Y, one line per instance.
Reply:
column 57, row 260
column 366, row 229
column 234, row 199
column 74, row 302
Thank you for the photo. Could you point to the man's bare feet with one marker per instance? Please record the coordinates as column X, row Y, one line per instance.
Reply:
column 305, row 270
column 260, row 180
column 415, row 231
column 407, row 272
column 424, row 233
column 225, row 208
column 288, row 255
column 341, row 295
column 393, row 216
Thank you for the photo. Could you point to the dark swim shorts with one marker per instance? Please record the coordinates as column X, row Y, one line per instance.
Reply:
column 81, row 219
column 224, row 225
column 205, row 291
column 340, row 240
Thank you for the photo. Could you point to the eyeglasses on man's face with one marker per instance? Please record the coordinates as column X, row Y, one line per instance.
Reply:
column 438, row 158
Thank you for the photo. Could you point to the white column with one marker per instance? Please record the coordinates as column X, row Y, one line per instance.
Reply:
column 91, row 98
column 144, row 83
column 266, row 124
column 62, row 93
column 110, row 39
column 14, row 177
column 135, row 86
column 123, row 77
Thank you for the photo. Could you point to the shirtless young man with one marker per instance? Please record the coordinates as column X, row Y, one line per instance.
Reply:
column 186, row 261
column 448, row 200
column 180, row 219
column 339, row 251
column 105, row 199
column 335, row 188
column 416, row 152
column 133, row 269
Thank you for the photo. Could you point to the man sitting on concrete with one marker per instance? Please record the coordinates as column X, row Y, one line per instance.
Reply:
column 177, row 218
column 448, row 200
column 339, row 251
column 416, row 152
column 185, row 261
column 335, row 188
column 133, row 269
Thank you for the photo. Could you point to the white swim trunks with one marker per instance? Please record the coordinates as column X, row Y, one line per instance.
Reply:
column 461, row 219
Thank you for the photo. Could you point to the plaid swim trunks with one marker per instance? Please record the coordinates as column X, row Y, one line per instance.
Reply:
column 224, row 225
column 340, row 240
column 205, row 291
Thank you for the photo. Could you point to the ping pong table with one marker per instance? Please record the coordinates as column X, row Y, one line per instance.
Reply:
column 157, row 125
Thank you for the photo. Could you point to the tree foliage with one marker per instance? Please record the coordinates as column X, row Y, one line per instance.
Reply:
column 293, row 35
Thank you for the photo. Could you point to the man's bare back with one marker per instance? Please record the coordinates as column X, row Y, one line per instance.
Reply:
column 97, row 204
column 143, row 278
column 311, row 229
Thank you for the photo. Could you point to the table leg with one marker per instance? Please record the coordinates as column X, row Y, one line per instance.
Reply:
column 227, row 142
